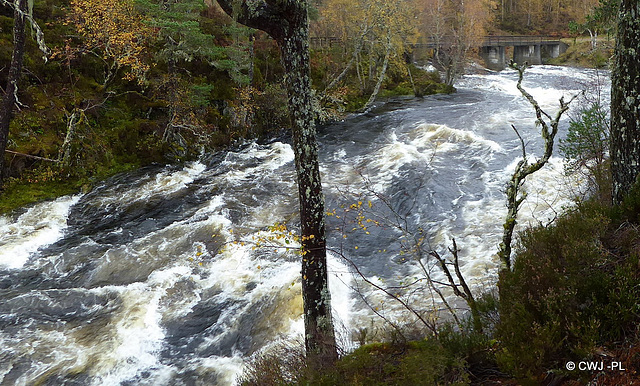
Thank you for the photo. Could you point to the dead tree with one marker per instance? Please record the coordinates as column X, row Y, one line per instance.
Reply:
column 10, row 98
column 21, row 15
column 515, row 196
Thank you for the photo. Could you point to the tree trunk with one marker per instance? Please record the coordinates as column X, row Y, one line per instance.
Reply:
column 76, row 117
column 524, row 168
column 383, row 73
column 288, row 24
column 9, row 97
column 625, row 94
column 594, row 38
column 354, row 57
column 319, row 334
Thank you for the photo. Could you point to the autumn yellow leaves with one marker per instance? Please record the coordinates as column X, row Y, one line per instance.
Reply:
column 116, row 31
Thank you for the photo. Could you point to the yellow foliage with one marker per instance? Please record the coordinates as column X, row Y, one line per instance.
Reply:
column 117, row 30
column 278, row 236
column 377, row 21
column 244, row 107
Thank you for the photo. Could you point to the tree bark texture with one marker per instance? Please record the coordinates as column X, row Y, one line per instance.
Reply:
column 625, row 94
column 287, row 22
column 9, row 97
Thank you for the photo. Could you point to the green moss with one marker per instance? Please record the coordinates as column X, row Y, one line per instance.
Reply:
column 17, row 193
column 50, row 182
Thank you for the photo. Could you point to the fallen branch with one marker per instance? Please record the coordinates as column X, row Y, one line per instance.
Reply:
column 32, row 156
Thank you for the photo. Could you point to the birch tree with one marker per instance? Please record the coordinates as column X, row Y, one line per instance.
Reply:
column 373, row 31
column 115, row 32
column 287, row 22
column 455, row 27
column 625, row 100
column 9, row 98
column 21, row 15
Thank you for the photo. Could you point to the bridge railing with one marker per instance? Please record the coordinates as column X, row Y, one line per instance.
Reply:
column 324, row 41
column 517, row 40
column 499, row 40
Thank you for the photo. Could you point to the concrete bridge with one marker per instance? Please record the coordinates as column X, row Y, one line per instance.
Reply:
column 532, row 49
column 493, row 49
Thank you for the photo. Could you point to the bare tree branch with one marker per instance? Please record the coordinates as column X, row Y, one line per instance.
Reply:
column 31, row 156
column 524, row 169
column 389, row 293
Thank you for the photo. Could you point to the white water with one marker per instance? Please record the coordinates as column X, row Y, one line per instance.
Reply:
column 153, row 278
column 40, row 226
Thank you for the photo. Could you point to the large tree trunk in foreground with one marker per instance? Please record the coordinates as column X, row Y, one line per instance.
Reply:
column 319, row 334
column 287, row 22
column 9, row 97
column 625, row 100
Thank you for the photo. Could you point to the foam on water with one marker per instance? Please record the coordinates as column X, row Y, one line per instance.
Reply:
column 419, row 147
column 505, row 83
column 262, row 159
column 442, row 134
column 226, row 369
column 138, row 336
column 123, row 350
column 164, row 183
column 341, row 282
column 549, row 192
column 191, row 299
column 42, row 225
column 569, row 73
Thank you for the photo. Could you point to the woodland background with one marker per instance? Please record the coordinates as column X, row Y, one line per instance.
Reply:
column 131, row 82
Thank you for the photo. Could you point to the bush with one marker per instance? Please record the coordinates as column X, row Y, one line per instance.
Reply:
column 586, row 147
column 283, row 364
column 587, row 140
column 423, row 362
column 574, row 287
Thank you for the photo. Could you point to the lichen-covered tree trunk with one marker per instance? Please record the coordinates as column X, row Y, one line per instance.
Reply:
column 625, row 100
column 524, row 169
column 287, row 22
column 9, row 97
column 320, row 340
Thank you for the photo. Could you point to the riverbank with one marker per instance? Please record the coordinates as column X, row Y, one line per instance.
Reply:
column 127, row 141
column 567, row 315
column 138, row 250
column 580, row 53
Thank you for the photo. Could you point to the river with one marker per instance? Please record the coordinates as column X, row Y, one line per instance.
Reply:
column 153, row 277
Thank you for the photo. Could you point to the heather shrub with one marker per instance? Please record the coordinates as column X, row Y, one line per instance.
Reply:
column 575, row 286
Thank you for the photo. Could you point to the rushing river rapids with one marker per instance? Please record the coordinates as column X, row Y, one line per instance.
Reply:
column 137, row 282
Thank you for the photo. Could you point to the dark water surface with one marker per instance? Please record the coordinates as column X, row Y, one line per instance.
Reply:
column 139, row 282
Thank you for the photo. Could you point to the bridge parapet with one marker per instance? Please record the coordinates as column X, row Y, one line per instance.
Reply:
column 492, row 48
column 504, row 41
column 530, row 49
